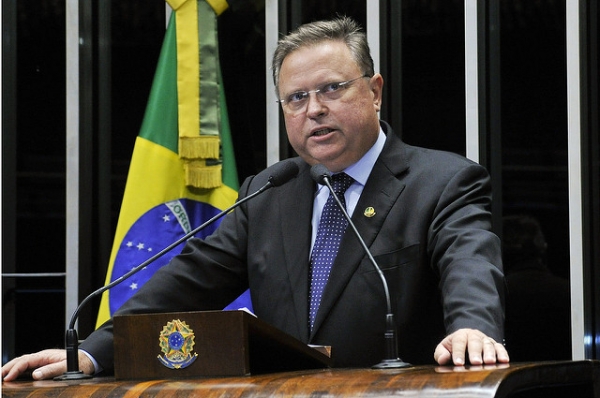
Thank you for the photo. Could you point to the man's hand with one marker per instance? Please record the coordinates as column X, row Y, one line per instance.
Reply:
column 480, row 348
column 45, row 365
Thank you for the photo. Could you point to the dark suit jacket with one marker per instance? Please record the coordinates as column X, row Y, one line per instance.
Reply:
column 430, row 234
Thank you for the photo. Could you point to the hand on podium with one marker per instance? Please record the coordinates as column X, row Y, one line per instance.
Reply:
column 45, row 364
column 480, row 348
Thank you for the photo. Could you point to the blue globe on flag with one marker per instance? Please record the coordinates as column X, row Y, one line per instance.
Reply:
column 151, row 233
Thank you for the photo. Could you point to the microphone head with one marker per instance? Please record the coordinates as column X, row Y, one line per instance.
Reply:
column 283, row 172
column 320, row 173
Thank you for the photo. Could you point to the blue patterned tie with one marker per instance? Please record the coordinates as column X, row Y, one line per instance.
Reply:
column 329, row 235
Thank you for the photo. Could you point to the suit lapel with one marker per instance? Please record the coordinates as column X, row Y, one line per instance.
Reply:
column 297, row 204
column 382, row 190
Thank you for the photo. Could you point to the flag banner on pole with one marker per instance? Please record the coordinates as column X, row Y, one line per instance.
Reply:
column 168, row 194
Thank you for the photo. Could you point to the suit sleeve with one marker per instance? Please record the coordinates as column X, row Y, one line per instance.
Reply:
column 467, row 254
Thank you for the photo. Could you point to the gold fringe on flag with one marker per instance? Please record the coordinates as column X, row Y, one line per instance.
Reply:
column 198, row 174
column 206, row 147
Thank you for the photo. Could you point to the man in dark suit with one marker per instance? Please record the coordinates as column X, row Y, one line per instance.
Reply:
column 424, row 215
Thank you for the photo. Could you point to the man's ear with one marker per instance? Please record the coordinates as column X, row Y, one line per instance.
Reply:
column 376, row 84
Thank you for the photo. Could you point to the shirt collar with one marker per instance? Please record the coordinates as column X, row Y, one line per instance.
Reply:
column 361, row 170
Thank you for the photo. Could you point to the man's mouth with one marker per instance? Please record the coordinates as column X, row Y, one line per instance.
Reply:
column 321, row 132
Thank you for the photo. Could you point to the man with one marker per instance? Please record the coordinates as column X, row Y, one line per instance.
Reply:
column 424, row 215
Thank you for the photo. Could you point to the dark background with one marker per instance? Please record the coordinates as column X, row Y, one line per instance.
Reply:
column 429, row 80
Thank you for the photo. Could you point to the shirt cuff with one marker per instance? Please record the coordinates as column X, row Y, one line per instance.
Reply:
column 97, row 367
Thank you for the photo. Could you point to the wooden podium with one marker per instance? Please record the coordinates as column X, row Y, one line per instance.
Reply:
column 261, row 361
column 570, row 379
column 209, row 343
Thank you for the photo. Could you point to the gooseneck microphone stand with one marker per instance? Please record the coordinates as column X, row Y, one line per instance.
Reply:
column 392, row 360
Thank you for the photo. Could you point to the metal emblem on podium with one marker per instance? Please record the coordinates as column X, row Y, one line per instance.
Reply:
column 177, row 342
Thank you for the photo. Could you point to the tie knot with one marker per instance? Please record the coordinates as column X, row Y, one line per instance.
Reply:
column 341, row 182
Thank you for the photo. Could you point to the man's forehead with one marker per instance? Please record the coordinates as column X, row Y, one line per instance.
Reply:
column 327, row 44
column 325, row 54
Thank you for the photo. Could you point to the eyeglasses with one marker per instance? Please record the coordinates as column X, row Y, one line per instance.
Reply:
column 297, row 101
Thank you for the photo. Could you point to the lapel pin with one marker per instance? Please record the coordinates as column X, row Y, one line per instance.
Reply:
column 369, row 212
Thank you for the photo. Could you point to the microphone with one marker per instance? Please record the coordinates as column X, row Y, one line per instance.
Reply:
column 322, row 175
column 282, row 172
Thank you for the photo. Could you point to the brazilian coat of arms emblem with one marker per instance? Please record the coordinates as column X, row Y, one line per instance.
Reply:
column 177, row 342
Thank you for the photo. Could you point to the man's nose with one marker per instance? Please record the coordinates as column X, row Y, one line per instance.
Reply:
column 314, row 105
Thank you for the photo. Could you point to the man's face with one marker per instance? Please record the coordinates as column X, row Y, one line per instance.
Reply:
column 334, row 133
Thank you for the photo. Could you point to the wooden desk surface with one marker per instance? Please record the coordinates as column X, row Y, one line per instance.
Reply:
column 575, row 379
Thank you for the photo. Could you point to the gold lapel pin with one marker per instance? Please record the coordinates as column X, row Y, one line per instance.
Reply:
column 369, row 212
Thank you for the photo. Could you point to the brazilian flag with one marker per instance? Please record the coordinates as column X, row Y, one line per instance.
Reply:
column 182, row 170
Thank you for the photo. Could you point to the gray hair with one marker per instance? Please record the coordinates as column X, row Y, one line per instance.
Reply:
column 342, row 29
